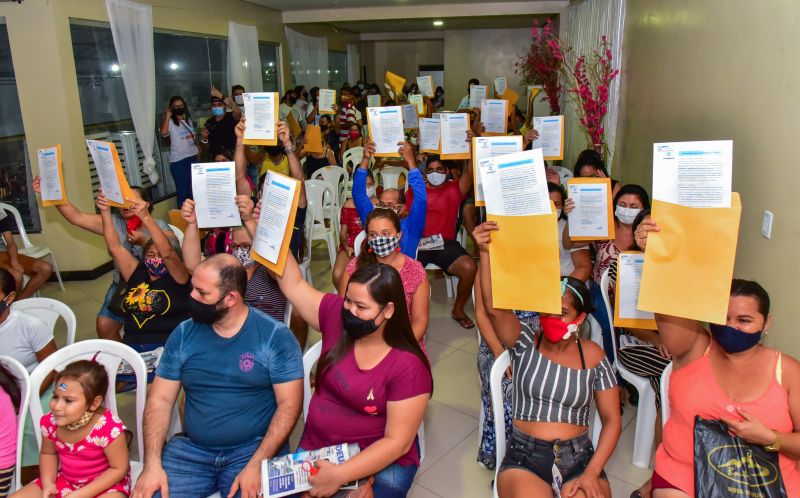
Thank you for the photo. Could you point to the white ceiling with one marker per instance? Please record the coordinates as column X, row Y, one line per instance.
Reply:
column 332, row 4
column 401, row 25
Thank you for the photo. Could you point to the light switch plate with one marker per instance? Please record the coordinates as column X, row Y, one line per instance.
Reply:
column 766, row 224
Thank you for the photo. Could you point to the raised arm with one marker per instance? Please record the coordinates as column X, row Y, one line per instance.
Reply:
column 172, row 260
column 190, row 248
column 419, row 205
column 505, row 323
column 239, row 157
column 305, row 298
column 360, row 198
column 89, row 222
column 165, row 123
column 122, row 258
column 582, row 261
column 295, row 168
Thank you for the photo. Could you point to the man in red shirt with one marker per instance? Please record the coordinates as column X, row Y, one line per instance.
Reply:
column 444, row 202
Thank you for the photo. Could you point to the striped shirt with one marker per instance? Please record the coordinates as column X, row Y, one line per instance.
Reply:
column 545, row 391
column 264, row 294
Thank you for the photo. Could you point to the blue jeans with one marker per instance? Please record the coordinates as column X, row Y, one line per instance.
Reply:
column 194, row 471
column 182, row 176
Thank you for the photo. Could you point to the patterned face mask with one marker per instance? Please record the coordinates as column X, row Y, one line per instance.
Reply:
column 384, row 246
column 244, row 256
column 156, row 267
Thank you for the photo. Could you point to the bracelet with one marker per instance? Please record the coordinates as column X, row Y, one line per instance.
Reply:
column 203, row 141
column 290, row 148
column 775, row 446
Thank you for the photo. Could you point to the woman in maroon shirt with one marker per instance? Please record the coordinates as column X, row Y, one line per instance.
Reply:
column 373, row 380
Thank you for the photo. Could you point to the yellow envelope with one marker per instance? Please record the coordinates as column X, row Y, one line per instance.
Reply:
column 313, row 139
column 63, row 200
column 257, row 141
column 533, row 91
column 511, row 96
column 524, row 263
column 278, row 267
column 688, row 265
column 395, row 82
column 416, row 99
column 465, row 155
column 607, row 182
column 294, row 126
column 633, row 323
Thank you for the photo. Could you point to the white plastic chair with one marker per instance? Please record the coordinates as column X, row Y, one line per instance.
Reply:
column 596, row 335
column 178, row 233
column 351, row 159
column 287, row 314
column 563, row 173
column 112, row 354
column 359, row 242
column 337, row 180
column 646, row 409
column 665, row 393
column 309, row 360
column 450, row 282
column 28, row 249
column 390, row 177
column 49, row 310
column 499, row 367
column 24, row 381
column 319, row 197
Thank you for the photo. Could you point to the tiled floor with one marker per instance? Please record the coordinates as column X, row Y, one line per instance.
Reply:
column 451, row 423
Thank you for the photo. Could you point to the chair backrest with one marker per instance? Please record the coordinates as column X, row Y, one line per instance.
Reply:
column 665, row 375
column 287, row 314
column 336, row 178
column 309, row 360
column 358, row 242
column 112, row 354
column 563, row 173
column 595, row 330
column 24, row 382
column 11, row 210
column 605, row 279
column 178, row 233
column 499, row 368
column 352, row 158
column 49, row 310
column 319, row 195
column 390, row 176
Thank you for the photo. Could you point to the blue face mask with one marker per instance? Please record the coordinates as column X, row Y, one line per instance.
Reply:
column 734, row 340
column 218, row 111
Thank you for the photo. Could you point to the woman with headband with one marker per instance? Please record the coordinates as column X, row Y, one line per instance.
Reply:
column 554, row 382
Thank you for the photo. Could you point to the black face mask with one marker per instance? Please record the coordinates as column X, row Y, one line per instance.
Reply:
column 357, row 328
column 292, row 100
column 205, row 313
column 274, row 150
column 179, row 111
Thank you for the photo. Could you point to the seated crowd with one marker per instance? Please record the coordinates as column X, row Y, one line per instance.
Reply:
column 230, row 334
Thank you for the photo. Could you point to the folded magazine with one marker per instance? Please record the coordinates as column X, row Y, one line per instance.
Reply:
column 287, row 475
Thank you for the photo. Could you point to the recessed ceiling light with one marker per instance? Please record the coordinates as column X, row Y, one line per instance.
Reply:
column 438, row 23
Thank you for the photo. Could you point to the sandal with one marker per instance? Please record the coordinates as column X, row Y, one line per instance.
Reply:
column 465, row 321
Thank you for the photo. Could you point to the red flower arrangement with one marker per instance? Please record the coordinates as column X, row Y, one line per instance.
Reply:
column 541, row 65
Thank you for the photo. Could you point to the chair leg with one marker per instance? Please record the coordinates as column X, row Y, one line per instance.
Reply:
column 448, row 283
column 645, row 428
column 331, row 249
column 58, row 273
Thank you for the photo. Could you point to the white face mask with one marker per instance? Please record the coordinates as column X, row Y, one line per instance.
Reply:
column 239, row 100
column 558, row 213
column 412, row 141
column 436, row 178
column 626, row 215
column 371, row 191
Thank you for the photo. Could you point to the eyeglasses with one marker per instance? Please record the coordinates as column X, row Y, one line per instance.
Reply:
column 245, row 246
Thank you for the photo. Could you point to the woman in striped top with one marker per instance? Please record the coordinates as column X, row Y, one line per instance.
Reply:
column 555, row 381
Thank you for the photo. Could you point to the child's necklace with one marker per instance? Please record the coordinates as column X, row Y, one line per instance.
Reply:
column 85, row 419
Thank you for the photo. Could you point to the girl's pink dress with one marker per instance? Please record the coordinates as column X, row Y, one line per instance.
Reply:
column 82, row 462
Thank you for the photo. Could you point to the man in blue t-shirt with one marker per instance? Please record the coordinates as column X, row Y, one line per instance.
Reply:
column 242, row 374
column 411, row 225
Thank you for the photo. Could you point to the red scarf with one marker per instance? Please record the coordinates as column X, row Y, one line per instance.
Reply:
column 133, row 223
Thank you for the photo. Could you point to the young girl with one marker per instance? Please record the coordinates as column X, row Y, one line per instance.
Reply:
column 82, row 452
column 9, row 406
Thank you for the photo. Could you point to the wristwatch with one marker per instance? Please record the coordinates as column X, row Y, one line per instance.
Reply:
column 775, row 446
column 290, row 148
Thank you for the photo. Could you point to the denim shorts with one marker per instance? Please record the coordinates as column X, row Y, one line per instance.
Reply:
column 571, row 456
column 104, row 311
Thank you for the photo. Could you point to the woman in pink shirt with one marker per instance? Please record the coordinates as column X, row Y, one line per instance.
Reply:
column 9, row 405
column 726, row 375
column 373, row 380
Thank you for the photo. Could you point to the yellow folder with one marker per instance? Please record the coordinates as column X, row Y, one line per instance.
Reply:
column 278, row 267
column 313, row 139
column 688, row 265
column 395, row 82
column 462, row 155
column 294, row 126
column 257, row 141
column 524, row 263
column 63, row 200
column 610, row 204
column 631, row 323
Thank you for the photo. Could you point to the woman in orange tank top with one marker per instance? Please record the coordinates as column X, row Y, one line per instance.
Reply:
column 727, row 375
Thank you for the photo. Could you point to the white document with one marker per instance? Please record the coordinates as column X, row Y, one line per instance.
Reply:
column 50, row 174
column 515, row 184
column 551, row 135
column 629, row 277
column 476, row 94
column 103, row 158
column 429, row 134
column 214, row 189
column 416, row 99
column 410, row 116
column 493, row 115
column 260, row 111
column 454, row 133
column 327, row 99
column 693, row 174
column 276, row 206
column 590, row 216
column 425, row 84
column 486, row 147
column 373, row 100
column 386, row 126
column 500, row 85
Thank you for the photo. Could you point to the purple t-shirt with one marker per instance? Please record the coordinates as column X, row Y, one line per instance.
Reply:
column 349, row 404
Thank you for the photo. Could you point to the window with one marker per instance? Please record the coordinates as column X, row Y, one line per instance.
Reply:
column 15, row 168
column 337, row 70
column 269, row 66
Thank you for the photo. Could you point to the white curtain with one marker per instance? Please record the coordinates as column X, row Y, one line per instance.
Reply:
column 244, row 61
column 586, row 22
column 309, row 59
column 132, row 30
column 353, row 64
